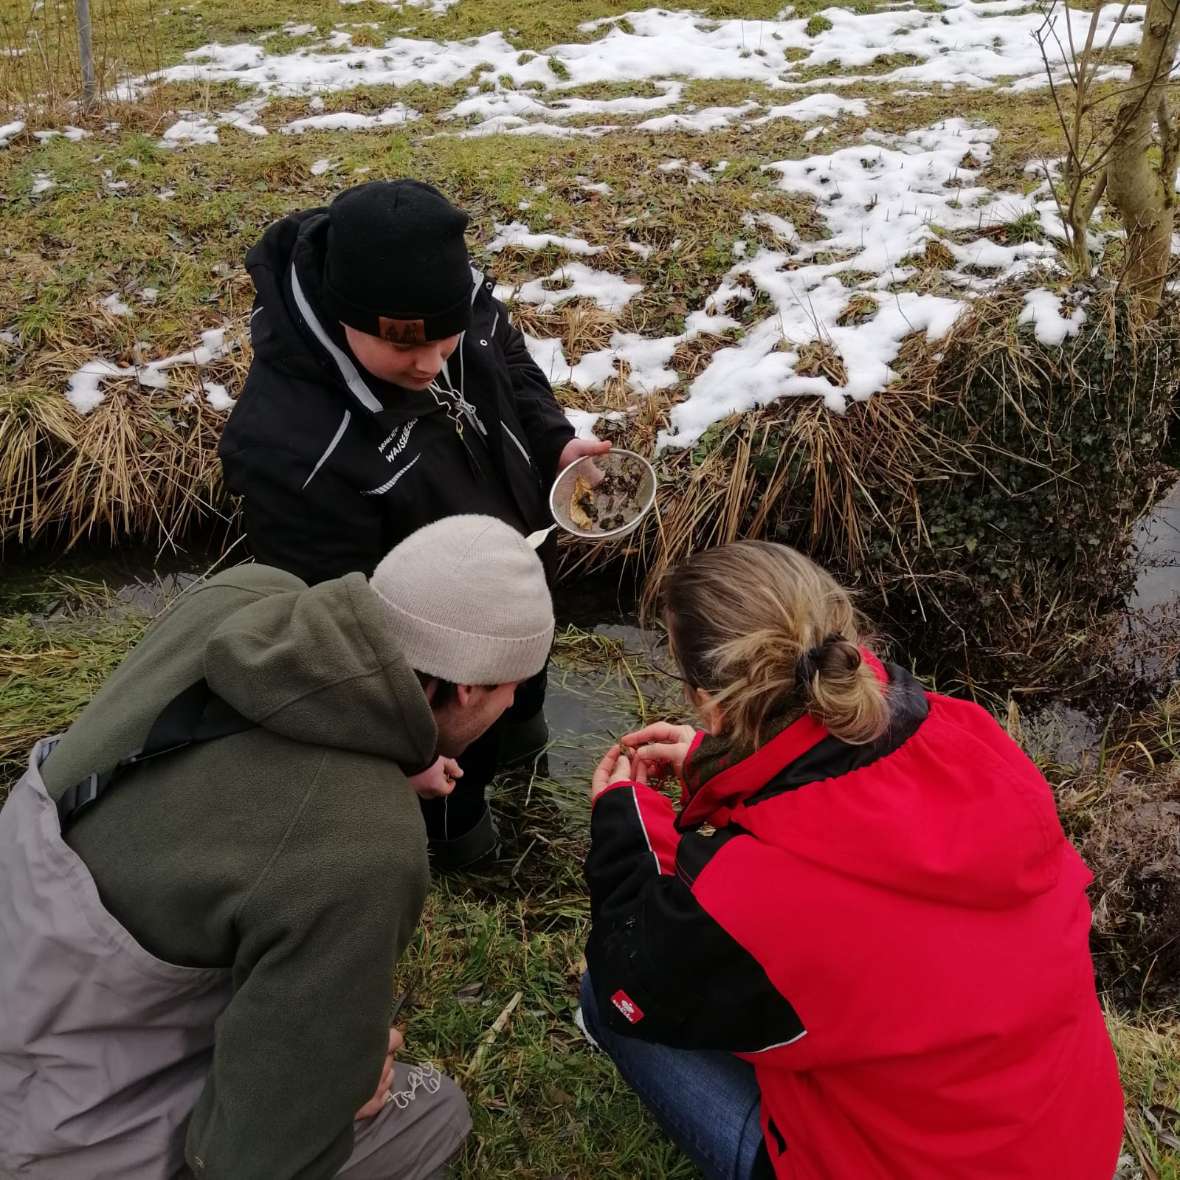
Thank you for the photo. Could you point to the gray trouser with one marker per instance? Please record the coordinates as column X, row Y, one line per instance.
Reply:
column 421, row 1128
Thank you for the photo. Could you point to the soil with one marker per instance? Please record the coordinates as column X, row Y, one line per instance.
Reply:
column 612, row 503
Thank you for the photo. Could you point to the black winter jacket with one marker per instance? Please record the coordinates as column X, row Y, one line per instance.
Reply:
column 335, row 466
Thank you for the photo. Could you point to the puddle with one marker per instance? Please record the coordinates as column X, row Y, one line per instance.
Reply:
column 597, row 695
column 1141, row 654
column 1157, row 544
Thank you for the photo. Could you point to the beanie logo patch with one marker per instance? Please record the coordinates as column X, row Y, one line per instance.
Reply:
column 402, row 331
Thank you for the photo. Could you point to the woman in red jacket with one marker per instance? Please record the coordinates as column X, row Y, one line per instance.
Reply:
column 859, row 949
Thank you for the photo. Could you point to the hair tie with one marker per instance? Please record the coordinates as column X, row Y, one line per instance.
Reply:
column 809, row 662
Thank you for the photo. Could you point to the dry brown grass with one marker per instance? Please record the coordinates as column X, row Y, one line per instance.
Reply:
column 142, row 464
column 984, row 413
column 986, row 418
column 40, row 62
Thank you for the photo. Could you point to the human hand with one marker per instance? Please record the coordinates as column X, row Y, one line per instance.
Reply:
column 580, row 448
column 615, row 767
column 660, row 748
column 377, row 1103
column 437, row 779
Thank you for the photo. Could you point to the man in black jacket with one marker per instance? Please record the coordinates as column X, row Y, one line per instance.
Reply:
column 388, row 390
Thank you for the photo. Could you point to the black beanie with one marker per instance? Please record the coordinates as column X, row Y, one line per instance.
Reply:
column 396, row 264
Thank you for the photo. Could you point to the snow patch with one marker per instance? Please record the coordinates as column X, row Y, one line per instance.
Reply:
column 884, row 201
column 84, row 390
column 583, row 422
column 217, row 397
column 115, row 305
column 816, row 106
column 198, row 130
column 351, row 120
column 1042, row 309
column 960, row 43
column 71, row 133
column 608, row 291
column 518, row 234
column 434, row 7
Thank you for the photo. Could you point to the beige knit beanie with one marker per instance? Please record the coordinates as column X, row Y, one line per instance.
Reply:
column 467, row 601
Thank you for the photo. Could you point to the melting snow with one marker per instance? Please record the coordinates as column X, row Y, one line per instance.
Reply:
column 609, row 291
column 1042, row 309
column 217, row 397
column 194, row 128
column 198, row 130
column 71, row 133
column 351, row 120
column 115, row 305
column 961, row 43
column 519, row 234
column 881, row 202
column 85, row 387
column 434, row 7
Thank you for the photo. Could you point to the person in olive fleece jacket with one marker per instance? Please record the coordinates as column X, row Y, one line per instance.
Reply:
column 281, row 865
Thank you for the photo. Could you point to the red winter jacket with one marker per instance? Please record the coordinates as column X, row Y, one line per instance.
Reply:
column 894, row 936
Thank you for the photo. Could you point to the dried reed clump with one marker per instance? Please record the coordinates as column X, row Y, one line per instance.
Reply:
column 142, row 464
column 983, row 502
column 1122, row 811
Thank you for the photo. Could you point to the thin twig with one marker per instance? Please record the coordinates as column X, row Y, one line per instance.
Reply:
column 498, row 1026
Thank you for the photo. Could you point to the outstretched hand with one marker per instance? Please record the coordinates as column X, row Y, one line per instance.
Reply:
column 659, row 749
column 615, row 767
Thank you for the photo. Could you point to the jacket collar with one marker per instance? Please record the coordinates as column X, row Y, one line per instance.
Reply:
column 715, row 783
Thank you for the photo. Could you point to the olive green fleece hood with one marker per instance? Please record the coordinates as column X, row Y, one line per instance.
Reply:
column 317, row 666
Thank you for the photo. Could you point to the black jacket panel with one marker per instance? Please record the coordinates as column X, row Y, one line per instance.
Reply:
column 335, row 467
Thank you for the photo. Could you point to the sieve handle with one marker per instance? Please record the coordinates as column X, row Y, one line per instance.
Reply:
column 537, row 539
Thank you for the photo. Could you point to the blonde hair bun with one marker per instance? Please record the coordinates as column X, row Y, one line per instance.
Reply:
column 771, row 636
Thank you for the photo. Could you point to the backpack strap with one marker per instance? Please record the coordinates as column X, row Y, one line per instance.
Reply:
column 194, row 715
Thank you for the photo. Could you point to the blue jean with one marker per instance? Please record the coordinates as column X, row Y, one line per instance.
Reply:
column 707, row 1102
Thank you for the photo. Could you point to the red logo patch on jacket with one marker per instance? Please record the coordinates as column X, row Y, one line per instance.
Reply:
column 629, row 1008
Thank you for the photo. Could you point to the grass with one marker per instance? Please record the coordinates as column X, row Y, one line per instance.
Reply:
column 143, row 465
column 48, row 672
column 127, row 214
column 84, row 240
column 543, row 1104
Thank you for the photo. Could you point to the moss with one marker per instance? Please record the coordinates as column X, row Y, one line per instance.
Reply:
column 816, row 25
column 857, row 310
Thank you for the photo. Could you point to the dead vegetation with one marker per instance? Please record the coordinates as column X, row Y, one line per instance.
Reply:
column 1120, row 805
column 142, row 464
column 983, row 501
